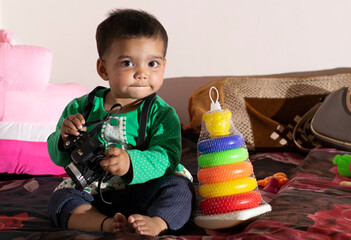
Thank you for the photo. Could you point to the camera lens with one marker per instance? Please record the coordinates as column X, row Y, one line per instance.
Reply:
column 76, row 176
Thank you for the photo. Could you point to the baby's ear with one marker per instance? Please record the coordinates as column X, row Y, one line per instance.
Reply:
column 228, row 113
column 101, row 69
column 205, row 116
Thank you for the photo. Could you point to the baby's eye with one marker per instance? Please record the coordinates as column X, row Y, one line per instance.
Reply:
column 153, row 64
column 127, row 64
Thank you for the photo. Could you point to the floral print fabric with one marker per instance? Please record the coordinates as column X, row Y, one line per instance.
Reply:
column 312, row 205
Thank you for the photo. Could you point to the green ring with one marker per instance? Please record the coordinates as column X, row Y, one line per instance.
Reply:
column 223, row 157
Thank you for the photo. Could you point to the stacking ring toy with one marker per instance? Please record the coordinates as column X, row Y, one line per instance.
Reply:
column 220, row 144
column 237, row 186
column 223, row 157
column 225, row 172
column 230, row 203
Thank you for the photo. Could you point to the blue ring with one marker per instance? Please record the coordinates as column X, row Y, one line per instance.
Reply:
column 220, row 144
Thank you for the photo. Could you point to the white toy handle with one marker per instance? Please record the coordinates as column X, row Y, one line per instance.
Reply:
column 214, row 105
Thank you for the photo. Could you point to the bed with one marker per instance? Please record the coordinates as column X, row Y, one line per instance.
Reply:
column 314, row 204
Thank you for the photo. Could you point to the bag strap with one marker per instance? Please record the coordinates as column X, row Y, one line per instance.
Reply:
column 303, row 124
column 142, row 120
column 348, row 99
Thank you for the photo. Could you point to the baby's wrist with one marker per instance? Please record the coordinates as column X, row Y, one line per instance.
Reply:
column 128, row 177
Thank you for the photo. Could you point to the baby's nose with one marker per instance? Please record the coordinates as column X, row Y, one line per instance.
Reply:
column 141, row 74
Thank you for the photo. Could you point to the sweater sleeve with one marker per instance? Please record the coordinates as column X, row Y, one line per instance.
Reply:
column 54, row 142
column 163, row 154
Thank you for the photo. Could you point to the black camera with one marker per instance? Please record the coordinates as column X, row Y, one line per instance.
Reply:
column 86, row 154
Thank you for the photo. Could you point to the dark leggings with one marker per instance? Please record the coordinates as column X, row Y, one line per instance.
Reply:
column 171, row 197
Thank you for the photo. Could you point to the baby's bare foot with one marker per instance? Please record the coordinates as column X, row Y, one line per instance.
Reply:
column 148, row 225
column 118, row 223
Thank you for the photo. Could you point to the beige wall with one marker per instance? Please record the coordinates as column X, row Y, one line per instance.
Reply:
column 207, row 37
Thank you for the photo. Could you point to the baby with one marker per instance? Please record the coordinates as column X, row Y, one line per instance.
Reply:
column 146, row 193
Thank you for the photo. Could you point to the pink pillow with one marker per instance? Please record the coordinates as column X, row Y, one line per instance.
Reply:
column 30, row 107
column 26, row 66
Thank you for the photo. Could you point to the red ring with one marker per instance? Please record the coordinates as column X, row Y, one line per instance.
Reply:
column 230, row 203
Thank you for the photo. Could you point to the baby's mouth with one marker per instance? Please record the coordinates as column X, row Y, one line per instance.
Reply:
column 139, row 86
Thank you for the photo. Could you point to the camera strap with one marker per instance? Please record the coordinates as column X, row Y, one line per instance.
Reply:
column 90, row 101
column 143, row 120
column 99, row 122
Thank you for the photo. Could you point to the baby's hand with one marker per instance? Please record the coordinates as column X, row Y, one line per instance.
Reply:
column 71, row 125
column 116, row 161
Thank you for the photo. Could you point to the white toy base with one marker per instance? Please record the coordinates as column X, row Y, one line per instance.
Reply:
column 227, row 220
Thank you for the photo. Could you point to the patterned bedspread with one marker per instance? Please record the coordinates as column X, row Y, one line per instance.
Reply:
column 312, row 205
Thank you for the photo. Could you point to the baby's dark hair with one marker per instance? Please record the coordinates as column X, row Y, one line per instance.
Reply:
column 128, row 23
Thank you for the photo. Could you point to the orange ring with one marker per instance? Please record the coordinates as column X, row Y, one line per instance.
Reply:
column 225, row 172
column 230, row 203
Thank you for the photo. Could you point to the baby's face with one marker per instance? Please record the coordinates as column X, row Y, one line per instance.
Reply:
column 135, row 67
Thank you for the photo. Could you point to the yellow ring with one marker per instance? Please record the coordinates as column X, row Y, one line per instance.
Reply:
column 237, row 186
